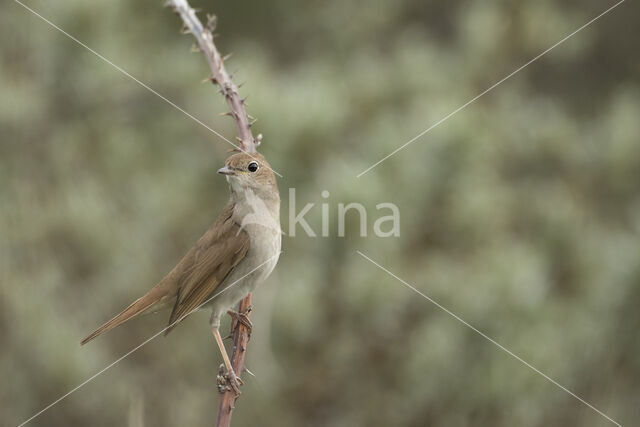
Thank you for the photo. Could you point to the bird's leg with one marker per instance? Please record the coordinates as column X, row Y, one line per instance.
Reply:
column 229, row 380
column 240, row 318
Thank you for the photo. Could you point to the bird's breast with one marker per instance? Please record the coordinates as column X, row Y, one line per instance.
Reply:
column 264, row 250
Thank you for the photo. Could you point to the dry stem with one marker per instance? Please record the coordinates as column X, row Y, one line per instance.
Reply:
column 219, row 76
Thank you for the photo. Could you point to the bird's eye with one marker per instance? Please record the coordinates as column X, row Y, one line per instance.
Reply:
column 253, row 166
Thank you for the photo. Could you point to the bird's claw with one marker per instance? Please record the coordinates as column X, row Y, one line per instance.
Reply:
column 228, row 381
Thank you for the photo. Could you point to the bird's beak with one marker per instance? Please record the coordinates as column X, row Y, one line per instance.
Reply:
column 226, row 170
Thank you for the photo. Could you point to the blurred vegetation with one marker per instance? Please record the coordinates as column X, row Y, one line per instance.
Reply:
column 521, row 214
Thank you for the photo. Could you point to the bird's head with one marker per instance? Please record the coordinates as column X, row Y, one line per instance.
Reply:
column 250, row 171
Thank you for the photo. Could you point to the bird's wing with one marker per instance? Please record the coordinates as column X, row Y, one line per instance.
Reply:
column 193, row 279
column 215, row 255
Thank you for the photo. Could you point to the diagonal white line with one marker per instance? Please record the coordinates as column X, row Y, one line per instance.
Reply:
column 500, row 346
column 197, row 120
column 94, row 376
column 463, row 106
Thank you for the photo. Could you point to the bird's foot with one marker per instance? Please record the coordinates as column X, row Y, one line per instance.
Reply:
column 228, row 381
column 240, row 318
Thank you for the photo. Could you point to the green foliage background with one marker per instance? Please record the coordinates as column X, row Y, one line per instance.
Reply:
column 521, row 214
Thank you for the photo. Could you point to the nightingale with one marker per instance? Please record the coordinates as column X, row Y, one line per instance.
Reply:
column 234, row 255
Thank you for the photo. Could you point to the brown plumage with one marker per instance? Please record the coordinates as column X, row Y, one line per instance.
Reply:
column 218, row 252
column 195, row 277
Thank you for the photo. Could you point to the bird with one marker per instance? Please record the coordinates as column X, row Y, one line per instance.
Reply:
column 237, row 253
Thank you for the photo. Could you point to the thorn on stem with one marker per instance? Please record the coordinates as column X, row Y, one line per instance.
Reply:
column 212, row 21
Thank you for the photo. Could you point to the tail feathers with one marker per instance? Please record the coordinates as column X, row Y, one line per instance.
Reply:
column 138, row 307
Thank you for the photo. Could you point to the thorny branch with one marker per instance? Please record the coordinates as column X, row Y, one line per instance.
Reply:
column 204, row 36
column 219, row 76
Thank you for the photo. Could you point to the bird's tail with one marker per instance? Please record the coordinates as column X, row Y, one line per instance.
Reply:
column 150, row 302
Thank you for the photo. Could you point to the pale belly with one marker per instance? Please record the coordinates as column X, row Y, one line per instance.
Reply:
column 254, row 268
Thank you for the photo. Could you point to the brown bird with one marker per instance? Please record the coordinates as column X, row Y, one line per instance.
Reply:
column 238, row 252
